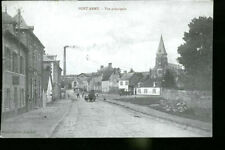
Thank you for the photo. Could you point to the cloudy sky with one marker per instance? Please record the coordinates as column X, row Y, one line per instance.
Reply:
column 127, row 38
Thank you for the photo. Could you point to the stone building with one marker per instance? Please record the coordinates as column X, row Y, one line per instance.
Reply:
column 14, row 69
column 162, row 66
column 34, row 62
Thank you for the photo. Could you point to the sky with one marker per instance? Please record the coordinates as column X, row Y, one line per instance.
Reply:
column 127, row 37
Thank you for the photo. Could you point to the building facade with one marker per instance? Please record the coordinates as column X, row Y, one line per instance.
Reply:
column 123, row 83
column 14, row 69
column 110, row 79
column 34, row 62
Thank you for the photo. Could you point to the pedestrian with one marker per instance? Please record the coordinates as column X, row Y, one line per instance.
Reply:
column 77, row 95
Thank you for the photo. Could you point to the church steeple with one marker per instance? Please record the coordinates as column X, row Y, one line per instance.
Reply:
column 161, row 47
column 161, row 56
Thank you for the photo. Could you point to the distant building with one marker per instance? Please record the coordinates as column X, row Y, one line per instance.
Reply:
column 110, row 80
column 95, row 82
column 162, row 65
column 124, row 82
column 50, row 61
column 47, row 84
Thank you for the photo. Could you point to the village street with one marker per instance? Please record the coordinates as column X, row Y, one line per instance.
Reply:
column 102, row 119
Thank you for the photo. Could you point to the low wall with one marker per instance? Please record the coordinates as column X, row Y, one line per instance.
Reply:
column 199, row 101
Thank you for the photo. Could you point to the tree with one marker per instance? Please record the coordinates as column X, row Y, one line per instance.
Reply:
column 131, row 70
column 196, row 52
column 168, row 80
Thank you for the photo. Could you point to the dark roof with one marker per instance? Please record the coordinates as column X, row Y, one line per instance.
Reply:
column 161, row 48
column 127, row 76
column 135, row 79
column 147, row 83
column 145, row 76
column 106, row 75
column 7, row 19
column 23, row 24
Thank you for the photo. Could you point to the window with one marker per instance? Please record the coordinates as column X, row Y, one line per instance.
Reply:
column 145, row 91
column 159, row 71
column 7, row 99
column 121, row 82
column 126, row 83
column 15, row 62
column 22, row 65
column 15, row 98
column 7, row 59
column 139, row 90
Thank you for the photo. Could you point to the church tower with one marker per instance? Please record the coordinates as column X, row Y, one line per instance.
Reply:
column 161, row 61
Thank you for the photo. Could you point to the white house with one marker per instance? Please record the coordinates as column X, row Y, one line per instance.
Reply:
column 147, row 88
column 124, row 81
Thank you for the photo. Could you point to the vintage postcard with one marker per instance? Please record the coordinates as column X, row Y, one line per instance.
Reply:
column 107, row 69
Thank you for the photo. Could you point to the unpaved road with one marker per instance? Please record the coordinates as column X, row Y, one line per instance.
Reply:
column 102, row 119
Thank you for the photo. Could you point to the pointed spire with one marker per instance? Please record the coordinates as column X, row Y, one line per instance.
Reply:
column 161, row 48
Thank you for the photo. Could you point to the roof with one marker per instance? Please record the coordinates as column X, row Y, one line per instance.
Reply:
column 127, row 76
column 7, row 19
column 145, row 76
column 161, row 48
column 147, row 83
column 106, row 75
column 19, row 19
column 135, row 79
column 23, row 26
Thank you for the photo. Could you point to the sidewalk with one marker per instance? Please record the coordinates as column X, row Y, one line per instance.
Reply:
column 39, row 123
column 198, row 126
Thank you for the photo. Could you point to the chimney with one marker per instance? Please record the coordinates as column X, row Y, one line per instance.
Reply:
column 110, row 65
column 101, row 67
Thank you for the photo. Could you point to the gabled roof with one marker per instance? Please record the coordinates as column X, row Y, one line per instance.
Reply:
column 106, row 75
column 147, row 83
column 127, row 76
column 21, row 22
column 161, row 47
column 135, row 79
column 21, row 25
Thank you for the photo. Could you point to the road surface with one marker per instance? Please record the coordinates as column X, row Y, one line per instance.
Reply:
column 102, row 119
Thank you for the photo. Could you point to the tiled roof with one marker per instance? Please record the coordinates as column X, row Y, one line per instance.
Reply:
column 135, row 79
column 106, row 75
column 147, row 83
column 161, row 48
column 127, row 76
